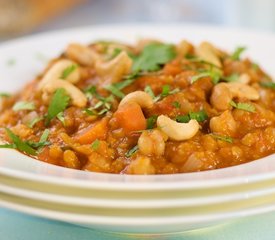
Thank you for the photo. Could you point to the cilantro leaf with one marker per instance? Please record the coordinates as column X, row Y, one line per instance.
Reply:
column 95, row 145
column 153, row 56
column 149, row 90
column 268, row 85
column 115, row 90
column 200, row 116
column 61, row 118
column 151, row 121
column 222, row 138
column 23, row 105
column 237, row 53
column 17, row 143
column 58, row 104
column 42, row 142
column 183, row 118
column 214, row 75
column 131, row 151
column 166, row 91
column 243, row 106
column 67, row 71
column 102, row 106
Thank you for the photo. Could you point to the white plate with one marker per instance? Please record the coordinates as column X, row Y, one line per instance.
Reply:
column 25, row 51
column 132, row 201
column 164, row 224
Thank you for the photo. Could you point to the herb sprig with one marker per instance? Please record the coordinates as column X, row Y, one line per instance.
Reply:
column 222, row 138
column 153, row 57
column 58, row 104
column 243, row 106
column 200, row 116
column 214, row 75
column 131, row 151
column 68, row 71
column 236, row 55
column 166, row 91
column 28, row 147
column 23, row 105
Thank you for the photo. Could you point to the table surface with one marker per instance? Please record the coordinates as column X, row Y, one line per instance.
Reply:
column 17, row 226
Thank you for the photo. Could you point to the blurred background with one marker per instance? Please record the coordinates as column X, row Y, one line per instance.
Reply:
column 21, row 17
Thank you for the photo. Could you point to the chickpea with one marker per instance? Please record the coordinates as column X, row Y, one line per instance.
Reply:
column 141, row 166
column 152, row 143
column 224, row 124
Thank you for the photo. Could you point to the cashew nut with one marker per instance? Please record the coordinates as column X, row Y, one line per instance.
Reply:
column 223, row 93
column 209, row 53
column 141, row 98
column 78, row 98
column 152, row 142
column 55, row 72
column 82, row 54
column 242, row 90
column 114, row 70
column 177, row 131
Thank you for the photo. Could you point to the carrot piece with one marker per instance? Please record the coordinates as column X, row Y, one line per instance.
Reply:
column 130, row 117
column 93, row 132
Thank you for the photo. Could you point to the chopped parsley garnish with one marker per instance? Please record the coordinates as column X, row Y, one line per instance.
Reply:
column 90, row 112
column 42, row 142
column 199, row 116
column 232, row 78
column 214, row 75
column 166, row 91
column 151, row 121
column 34, row 121
column 115, row 90
column 103, row 105
column 60, row 116
column 176, row 104
column 67, row 71
column 268, row 85
column 90, row 92
column 17, row 143
column 5, row 95
column 95, row 145
column 131, row 151
column 23, row 105
column 243, row 106
column 58, row 104
column 222, row 138
column 153, row 57
column 236, row 55
column 149, row 90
